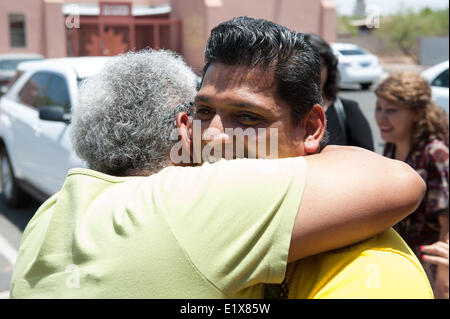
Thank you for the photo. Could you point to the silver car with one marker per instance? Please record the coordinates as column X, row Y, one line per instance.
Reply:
column 356, row 66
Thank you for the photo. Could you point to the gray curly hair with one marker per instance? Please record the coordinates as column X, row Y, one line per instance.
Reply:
column 126, row 113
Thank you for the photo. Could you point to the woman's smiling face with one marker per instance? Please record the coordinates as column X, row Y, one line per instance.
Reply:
column 394, row 121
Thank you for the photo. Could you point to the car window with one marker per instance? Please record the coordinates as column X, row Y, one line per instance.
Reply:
column 33, row 92
column 352, row 52
column 12, row 64
column 58, row 93
column 441, row 80
column 14, row 79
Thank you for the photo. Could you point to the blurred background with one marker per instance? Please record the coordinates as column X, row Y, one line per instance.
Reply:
column 48, row 46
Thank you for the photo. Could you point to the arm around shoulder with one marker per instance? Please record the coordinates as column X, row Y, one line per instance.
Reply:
column 351, row 194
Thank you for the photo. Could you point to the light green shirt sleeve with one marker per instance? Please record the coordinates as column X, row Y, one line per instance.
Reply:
column 234, row 219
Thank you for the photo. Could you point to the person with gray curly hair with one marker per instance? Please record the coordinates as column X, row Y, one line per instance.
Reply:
column 126, row 115
column 128, row 228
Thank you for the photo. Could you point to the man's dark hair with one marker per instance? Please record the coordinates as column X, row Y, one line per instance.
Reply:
column 260, row 43
column 330, row 88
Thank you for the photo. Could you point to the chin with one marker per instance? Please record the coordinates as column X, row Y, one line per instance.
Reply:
column 387, row 138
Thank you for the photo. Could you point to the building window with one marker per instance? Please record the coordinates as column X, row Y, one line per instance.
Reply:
column 17, row 30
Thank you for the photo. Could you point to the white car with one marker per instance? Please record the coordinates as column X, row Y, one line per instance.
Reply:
column 438, row 77
column 35, row 149
column 8, row 66
column 356, row 66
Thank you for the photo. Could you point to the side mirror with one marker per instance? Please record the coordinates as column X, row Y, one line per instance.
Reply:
column 54, row 113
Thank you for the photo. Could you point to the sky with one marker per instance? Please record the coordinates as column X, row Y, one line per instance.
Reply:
column 345, row 7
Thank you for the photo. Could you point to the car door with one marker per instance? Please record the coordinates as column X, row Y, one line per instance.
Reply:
column 24, row 124
column 55, row 147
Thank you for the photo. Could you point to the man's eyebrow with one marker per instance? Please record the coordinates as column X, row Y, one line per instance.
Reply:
column 202, row 98
column 239, row 104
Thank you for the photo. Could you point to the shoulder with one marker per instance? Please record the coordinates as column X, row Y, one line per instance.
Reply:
column 349, row 104
column 352, row 108
column 353, row 271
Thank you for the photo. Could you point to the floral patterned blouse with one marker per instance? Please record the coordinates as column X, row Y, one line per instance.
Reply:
column 430, row 160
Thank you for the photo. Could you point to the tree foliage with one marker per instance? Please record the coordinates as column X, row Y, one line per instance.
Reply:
column 406, row 27
column 344, row 26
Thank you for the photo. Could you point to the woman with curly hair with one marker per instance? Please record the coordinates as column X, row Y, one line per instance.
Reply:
column 346, row 124
column 416, row 131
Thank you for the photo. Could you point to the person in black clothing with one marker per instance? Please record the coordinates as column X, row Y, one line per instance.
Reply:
column 346, row 124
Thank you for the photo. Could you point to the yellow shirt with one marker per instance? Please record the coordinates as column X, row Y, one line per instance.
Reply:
column 214, row 231
column 382, row 267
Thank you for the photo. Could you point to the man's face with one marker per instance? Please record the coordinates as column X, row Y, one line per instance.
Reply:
column 239, row 97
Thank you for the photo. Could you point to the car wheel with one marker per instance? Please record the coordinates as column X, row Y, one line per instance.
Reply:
column 12, row 195
column 365, row 86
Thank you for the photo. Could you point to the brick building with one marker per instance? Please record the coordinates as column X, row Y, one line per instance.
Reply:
column 58, row 28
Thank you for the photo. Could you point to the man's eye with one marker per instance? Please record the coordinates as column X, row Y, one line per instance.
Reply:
column 204, row 112
column 248, row 118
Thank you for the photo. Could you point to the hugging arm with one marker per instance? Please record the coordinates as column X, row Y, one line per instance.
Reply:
column 350, row 195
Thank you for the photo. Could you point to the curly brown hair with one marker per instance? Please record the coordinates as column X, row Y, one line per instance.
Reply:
column 411, row 90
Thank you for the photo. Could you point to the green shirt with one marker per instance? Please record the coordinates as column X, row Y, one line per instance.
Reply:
column 215, row 231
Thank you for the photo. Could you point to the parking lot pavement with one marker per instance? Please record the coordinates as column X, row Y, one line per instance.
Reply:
column 8, row 256
column 5, row 276
column 12, row 225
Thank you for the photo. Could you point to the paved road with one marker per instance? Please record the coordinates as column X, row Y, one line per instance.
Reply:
column 12, row 224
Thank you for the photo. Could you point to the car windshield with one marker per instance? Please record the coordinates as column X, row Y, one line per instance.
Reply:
column 352, row 52
column 12, row 64
column 441, row 80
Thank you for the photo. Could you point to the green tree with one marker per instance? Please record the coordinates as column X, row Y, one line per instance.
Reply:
column 344, row 26
column 406, row 27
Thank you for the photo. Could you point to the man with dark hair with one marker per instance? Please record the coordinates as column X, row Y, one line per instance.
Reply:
column 261, row 44
column 261, row 76
column 346, row 123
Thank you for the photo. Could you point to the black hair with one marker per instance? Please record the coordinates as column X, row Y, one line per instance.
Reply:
column 331, row 86
column 264, row 44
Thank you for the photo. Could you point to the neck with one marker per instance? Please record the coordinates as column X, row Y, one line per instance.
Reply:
column 402, row 150
column 326, row 103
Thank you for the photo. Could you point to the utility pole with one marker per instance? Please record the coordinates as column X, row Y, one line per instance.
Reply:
column 360, row 8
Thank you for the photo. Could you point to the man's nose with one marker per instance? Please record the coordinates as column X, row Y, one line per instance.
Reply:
column 216, row 131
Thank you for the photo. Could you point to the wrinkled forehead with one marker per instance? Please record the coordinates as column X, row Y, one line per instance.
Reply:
column 223, row 77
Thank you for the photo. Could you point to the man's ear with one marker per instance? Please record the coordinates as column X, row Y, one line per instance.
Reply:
column 315, row 126
column 184, row 128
